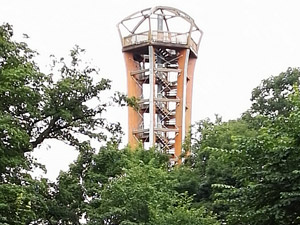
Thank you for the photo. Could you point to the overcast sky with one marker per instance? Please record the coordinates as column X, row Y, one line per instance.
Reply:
column 244, row 42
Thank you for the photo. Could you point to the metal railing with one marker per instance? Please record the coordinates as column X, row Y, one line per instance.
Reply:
column 160, row 36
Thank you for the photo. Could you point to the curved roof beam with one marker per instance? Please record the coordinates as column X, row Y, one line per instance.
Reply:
column 177, row 12
column 146, row 13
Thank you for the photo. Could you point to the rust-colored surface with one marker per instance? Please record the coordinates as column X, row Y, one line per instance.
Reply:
column 132, row 90
column 189, row 95
column 178, row 116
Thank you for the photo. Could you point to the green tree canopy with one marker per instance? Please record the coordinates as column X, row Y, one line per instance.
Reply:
column 247, row 168
column 267, row 167
column 34, row 107
column 125, row 187
column 270, row 98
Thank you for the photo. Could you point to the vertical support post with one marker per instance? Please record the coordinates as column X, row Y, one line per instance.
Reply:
column 180, row 109
column 189, row 93
column 151, row 97
column 160, row 34
column 133, row 91
column 159, row 22
column 185, row 75
column 159, row 63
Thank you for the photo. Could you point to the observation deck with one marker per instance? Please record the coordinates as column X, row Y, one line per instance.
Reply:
column 177, row 30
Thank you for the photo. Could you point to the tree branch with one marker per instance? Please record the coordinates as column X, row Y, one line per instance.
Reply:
column 44, row 134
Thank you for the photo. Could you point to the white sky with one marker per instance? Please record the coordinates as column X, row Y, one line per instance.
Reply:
column 244, row 42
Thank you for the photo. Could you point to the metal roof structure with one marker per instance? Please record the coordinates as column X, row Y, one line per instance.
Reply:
column 178, row 28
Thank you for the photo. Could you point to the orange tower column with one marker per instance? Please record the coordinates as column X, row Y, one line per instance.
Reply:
column 133, row 90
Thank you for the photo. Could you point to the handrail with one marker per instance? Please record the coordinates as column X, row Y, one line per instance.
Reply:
column 160, row 36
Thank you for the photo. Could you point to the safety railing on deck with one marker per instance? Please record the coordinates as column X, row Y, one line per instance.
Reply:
column 160, row 36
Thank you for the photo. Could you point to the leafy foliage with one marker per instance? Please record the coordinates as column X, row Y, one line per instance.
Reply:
column 205, row 166
column 267, row 167
column 35, row 107
column 128, row 187
column 243, row 171
column 271, row 97
column 248, row 168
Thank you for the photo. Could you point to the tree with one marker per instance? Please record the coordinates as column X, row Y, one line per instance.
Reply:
column 123, row 186
column 270, row 98
column 35, row 107
column 144, row 193
column 247, row 168
column 90, row 174
column 205, row 166
column 267, row 167
column 18, row 100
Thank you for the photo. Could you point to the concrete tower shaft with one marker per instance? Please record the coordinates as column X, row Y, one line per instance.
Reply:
column 160, row 47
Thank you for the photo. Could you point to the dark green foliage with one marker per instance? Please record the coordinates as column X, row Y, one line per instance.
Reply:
column 205, row 167
column 271, row 97
column 123, row 187
column 248, row 168
column 134, row 187
column 267, row 167
column 241, row 172
column 35, row 107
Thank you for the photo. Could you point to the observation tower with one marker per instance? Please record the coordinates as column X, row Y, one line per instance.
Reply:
column 160, row 47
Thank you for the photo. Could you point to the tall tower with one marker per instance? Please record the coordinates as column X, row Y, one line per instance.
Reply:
column 160, row 47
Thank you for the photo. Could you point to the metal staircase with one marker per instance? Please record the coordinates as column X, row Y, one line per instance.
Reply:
column 166, row 63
